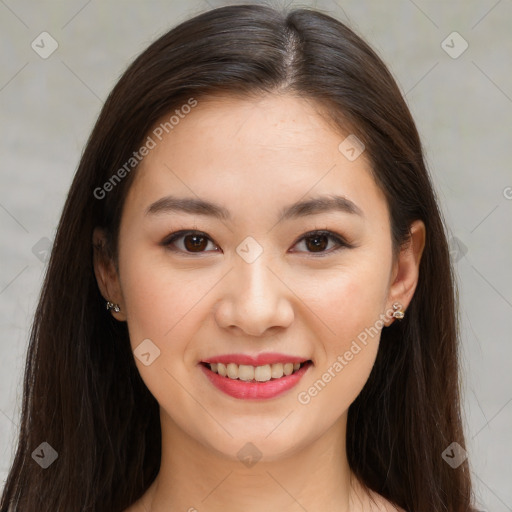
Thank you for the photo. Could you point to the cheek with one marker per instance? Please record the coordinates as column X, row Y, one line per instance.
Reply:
column 349, row 300
column 161, row 307
column 163, row 304
column 350, row 305
column 155, row 296
column 151, row 301
column 347, row 350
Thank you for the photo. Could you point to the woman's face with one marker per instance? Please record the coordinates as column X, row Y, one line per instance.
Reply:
column 250, row 285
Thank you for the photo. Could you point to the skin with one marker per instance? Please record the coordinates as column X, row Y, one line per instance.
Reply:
column 255, row 156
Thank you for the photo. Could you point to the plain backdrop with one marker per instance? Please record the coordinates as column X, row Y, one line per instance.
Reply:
column 462, row 104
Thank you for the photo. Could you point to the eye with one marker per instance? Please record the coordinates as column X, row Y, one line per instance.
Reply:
column 188, row 241
column 318, row 241
column 315, row 242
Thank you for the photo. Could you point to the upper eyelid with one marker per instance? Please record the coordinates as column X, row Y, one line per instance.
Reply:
column 327, row 232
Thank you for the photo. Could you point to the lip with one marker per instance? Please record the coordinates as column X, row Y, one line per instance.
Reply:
column 255, row 390
column 256, row 360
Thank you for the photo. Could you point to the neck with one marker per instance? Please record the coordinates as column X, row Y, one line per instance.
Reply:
column 194, row 477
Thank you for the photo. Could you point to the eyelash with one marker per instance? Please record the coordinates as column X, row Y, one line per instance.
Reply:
column 168, row 241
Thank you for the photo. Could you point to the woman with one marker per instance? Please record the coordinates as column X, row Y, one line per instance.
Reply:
column 249, row 303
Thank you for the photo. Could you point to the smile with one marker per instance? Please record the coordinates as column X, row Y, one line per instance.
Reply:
column 254, row 381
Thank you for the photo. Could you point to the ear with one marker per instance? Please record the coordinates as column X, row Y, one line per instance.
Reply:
column 106, row 273
column 406, row 269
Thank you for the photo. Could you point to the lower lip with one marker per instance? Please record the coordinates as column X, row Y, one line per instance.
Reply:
column 255, row 390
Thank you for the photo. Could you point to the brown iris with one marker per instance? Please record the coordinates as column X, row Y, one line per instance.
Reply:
column 197, row 243
column 319, row 242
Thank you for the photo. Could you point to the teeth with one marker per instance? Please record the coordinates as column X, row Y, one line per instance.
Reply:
column 277, row 371
column 258, row 373
column 262, row 373
column 232, row 370
column 288, row 368
column 245, row 372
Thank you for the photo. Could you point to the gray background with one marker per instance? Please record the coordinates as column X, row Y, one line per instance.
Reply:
column 463, row 110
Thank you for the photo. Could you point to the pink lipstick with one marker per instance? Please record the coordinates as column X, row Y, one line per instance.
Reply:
column 257, row 377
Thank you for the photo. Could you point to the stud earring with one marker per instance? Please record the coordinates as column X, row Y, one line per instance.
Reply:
column 115, row 307
column 397, row 311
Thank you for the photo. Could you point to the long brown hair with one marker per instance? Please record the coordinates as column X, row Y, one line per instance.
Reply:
column 83, row 394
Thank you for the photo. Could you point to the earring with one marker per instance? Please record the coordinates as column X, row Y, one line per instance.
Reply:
column 398, row 313
column 115, row 307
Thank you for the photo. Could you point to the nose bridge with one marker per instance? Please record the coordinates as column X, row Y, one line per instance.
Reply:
column 257, row 282
column 252, row 271
column 256, row 299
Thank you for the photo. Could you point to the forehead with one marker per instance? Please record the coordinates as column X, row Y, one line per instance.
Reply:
column 269, row 150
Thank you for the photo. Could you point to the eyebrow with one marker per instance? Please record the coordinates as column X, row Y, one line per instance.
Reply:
column 197, row 206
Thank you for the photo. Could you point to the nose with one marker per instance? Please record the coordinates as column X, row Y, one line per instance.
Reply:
column 254, row 299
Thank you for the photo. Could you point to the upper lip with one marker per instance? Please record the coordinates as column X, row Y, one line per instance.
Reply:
column 256, row 360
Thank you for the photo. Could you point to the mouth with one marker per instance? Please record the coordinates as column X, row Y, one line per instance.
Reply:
column 263, row 381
